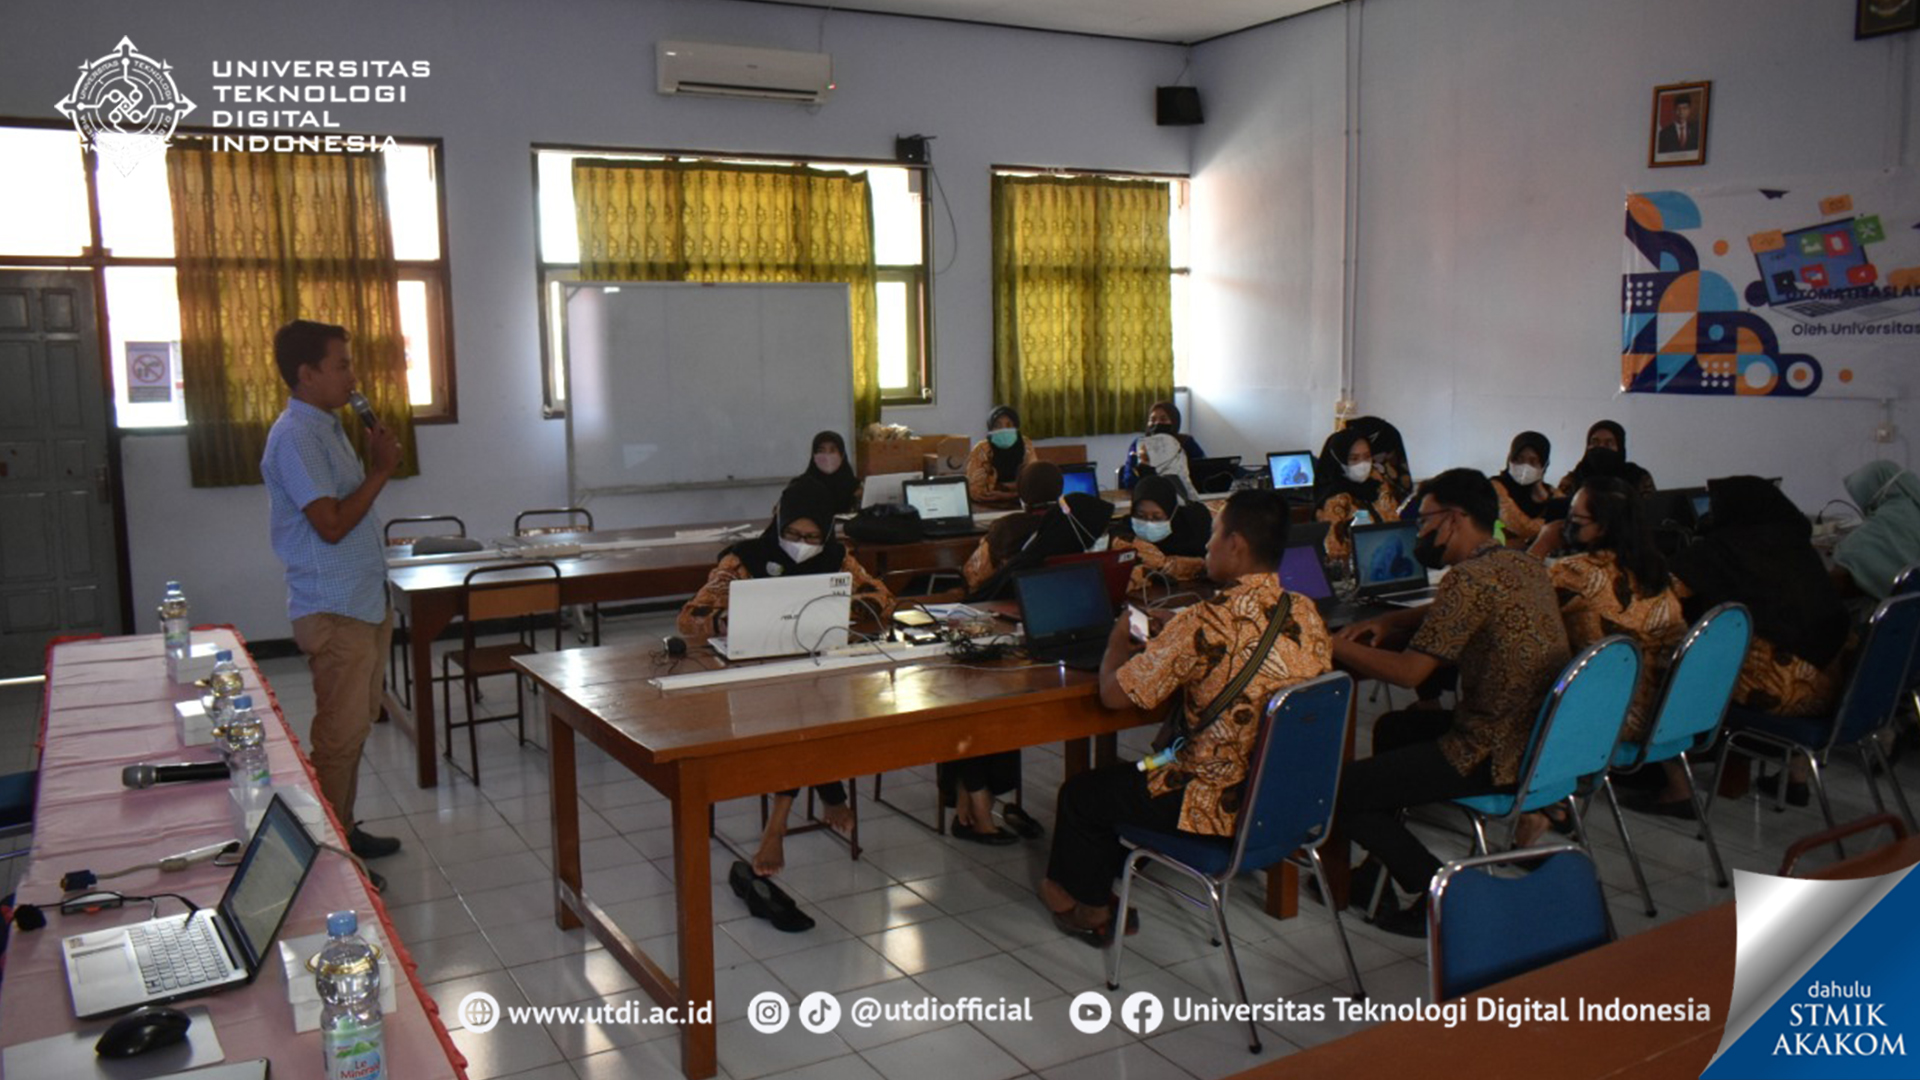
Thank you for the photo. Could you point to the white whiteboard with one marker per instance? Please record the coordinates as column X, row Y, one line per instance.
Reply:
column 673, row 385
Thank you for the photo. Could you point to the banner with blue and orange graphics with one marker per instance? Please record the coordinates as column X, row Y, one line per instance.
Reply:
column 1794, row 290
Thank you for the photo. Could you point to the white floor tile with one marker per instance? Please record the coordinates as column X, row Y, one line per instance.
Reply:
column 951, row 1053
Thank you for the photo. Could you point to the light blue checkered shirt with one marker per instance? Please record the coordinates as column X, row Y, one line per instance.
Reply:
column 308, row 457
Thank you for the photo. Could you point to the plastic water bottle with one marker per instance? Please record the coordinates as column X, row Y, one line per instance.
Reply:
column 223, row 686
column 348, row 977
column 173, row 622
column 246, row 740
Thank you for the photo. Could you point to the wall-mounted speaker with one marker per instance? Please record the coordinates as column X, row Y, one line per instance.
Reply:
column 1176, row 106
column 911, row 149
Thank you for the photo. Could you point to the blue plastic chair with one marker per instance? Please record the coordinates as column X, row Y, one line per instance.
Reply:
column 1291, row 789
column 1483, row 929
column 1572, row 741
column 1873, row 694
column 1694, row 702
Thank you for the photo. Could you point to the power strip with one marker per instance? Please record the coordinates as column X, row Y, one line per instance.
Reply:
column 865, row 654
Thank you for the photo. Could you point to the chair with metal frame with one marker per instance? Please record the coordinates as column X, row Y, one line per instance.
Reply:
column 572, row 519
column 1572, row 742
column 1872, row 696
column 1801, row 847
column 517, row 591
column 1291, row 789
column 1692, row 704
column 1483, row 929
column 399, row 658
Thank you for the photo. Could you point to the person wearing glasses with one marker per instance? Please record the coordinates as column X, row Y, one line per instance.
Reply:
column 1612, row 579
column 799, row 540
column 1494, row 618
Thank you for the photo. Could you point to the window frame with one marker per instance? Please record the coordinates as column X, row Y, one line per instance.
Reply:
column 918, row 278
column 95, row 258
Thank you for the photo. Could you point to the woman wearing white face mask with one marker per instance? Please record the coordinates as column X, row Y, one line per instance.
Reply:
column 1522, row 488
column 834, row 470
column 799, row 540
column 1170, row 537
column 994, row 465
column 1345, row 481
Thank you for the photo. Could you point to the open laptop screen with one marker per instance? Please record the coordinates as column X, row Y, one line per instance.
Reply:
column 939, row 500
column 269, row 877
column 1817, row 260
column 1383, row 556
column 1302, row 573
column 1079, row 478
column 1063, row 602
column 1291, row 470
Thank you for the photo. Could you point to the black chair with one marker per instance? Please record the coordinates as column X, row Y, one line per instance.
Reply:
column 521, row 591
column 402, row 532
column 560, row 521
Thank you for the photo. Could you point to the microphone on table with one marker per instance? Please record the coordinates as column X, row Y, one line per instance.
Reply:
column 363, row 410
column 146, row 776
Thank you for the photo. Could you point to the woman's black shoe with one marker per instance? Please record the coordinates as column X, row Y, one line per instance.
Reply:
column 1798, row 794
column 1022, row 822
column 996, row 838
column 765, row 900
column 1410, row 921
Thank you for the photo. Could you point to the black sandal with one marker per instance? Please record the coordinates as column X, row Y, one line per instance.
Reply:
column 768, row 901
column 1101, row 936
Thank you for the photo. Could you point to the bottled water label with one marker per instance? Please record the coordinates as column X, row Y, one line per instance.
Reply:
column 355, row 1050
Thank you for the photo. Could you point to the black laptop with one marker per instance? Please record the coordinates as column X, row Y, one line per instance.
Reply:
column 1291, row 473
column 945, row 509
column 1079, row 478
column 1066, row 613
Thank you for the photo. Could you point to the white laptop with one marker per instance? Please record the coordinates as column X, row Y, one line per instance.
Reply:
column 212, row 949
column 885, row 489
column 783, row 616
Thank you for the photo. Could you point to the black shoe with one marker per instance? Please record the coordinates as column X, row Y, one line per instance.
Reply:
column 1361, row 882
column 996, row 838
column 1098, row 937
column 1410, row 921
column 1022, row 822
column 768, row 901
column 1798, row 794
column 379, row 883
column 368, row 846
column 1646, row 804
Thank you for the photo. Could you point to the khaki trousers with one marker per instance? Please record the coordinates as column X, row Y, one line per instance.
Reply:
column 348, row 659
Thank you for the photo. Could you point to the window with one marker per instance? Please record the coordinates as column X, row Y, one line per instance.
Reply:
column 47, row 169
column 900, row 246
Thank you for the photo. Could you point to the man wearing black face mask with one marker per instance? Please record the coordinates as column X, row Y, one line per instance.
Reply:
column 1495, row 618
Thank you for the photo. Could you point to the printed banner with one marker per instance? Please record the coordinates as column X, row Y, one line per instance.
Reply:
column 1773, row 292
column 1824, row 982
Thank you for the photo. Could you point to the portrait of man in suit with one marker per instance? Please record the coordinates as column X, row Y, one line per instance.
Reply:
column 1679, row 125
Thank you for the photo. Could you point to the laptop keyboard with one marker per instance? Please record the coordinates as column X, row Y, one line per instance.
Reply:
column 172, row 956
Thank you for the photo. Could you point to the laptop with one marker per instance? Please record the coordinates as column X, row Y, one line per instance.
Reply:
column 1383, row 564
column 1292, row 473
column 1304, row 574
column 1822, row 271
column 1079, row 478
column 1116, row 568
column 786, row 616
column 945, row 509
column 1213, row 474
column 212, row 949
column 1683, row 507
column 1066, row 614
column 884, row 489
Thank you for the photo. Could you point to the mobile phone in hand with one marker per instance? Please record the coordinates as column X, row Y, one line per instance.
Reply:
column 1139, row 625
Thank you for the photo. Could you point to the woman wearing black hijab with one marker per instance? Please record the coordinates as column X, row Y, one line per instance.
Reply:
column 1756, row 548
column 1039, row 485
column 1169, row 536
column 1606, row 455
column 1346, row 480
column 994, row 464
column 1389, row 453
column 799, row 540
column 831, row 466
column 1524, row 495
column 1162, row 419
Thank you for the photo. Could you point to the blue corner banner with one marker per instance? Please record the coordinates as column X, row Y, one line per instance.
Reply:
column 1826, row 981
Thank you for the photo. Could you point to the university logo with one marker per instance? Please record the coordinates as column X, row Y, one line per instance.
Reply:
column 125, row 105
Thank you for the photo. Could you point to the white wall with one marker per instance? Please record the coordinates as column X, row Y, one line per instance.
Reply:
column 507, row 74
column 1498, row 140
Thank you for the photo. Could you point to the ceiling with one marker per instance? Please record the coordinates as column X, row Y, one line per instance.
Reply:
column 1175, row 21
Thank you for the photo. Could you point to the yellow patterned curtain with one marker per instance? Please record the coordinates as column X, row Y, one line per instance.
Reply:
column 1082, row 302
column 694, row 221
column 261, row 240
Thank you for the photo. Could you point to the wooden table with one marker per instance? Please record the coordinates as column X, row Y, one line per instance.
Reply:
column 428, row 595
column 699, row 747
column 1690, row 957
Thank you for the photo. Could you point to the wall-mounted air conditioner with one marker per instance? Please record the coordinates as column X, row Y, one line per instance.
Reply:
column 739, row 71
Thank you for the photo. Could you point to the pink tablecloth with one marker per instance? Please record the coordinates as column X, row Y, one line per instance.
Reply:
column 109, row 704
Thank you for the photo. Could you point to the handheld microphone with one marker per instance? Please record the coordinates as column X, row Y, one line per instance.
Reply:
column 145, row 776
column 363, row 410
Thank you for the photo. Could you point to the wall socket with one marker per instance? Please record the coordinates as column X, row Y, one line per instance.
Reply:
column 1884, row 431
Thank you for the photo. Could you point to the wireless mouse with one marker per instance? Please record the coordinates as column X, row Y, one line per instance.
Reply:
column 142, row 1030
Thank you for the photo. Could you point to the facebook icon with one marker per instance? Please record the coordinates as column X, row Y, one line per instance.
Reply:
column 1142, row 1013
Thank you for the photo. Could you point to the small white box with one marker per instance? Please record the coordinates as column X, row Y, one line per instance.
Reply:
column 197, row 665
column 304, row 804
column 196, row 727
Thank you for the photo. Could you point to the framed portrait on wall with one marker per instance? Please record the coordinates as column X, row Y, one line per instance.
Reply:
column 1679, row 135
column 1872, row 18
